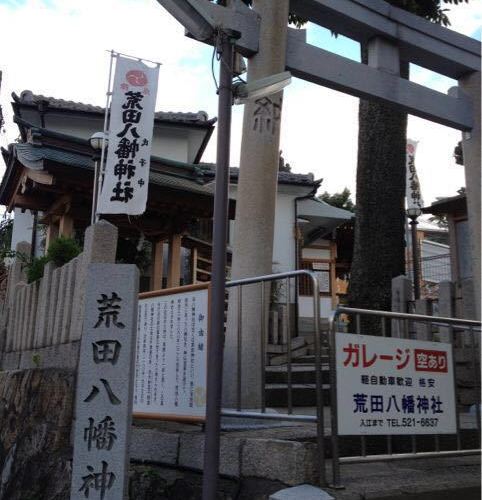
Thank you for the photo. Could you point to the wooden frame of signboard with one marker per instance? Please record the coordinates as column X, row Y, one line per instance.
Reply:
column 173, row 291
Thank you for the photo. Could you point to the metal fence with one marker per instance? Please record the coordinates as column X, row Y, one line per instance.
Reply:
column 324, row 344
column 433, row 270
column 290, row 284
column 436, row 268
column 456, row 329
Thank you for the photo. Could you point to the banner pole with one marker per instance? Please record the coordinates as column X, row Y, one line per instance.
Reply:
column 99, row 173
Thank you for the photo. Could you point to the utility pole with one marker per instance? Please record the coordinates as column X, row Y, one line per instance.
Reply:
column 218, row 281
column 256, row 199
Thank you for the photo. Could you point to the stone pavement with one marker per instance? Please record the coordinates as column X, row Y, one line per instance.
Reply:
column 435, row 478
column 288, row 454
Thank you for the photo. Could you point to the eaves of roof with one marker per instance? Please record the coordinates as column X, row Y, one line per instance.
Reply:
column 39, row 133
column 27, row 98
column 444, row 206
column 189, row 178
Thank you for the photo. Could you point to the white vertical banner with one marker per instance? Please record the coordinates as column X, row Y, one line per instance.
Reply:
column 126, row 177
column 413, row 192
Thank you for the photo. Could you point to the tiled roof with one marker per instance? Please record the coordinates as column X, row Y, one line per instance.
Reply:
column 33, row 157
column 29, row 98
column 283, row 177
column 444, row 206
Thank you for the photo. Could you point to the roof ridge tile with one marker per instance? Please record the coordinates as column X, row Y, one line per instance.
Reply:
column 28, row 97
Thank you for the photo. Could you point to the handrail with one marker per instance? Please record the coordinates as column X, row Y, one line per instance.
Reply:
column 271, row 277
column 319, row 419
column 399, row 315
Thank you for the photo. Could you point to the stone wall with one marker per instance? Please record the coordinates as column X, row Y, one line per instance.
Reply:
column 49, row 311
column 36, row 409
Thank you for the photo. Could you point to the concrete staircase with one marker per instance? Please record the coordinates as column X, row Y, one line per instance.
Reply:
column 303, row 374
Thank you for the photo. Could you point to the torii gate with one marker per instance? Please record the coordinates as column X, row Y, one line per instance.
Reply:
column 391, row 35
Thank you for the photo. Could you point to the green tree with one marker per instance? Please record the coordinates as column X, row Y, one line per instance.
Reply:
column 6, row 229
column 459, row 154
column 380, row 187
column 340, row 200
column 439, row 220
column 292, row 19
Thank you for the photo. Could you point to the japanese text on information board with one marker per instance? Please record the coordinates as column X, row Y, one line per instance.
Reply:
column 170, row 375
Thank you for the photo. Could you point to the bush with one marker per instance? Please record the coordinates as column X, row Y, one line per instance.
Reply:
column 61, row 251
column 35, row 268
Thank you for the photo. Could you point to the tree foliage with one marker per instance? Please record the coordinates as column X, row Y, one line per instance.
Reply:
column 292, row 18
column 429, row 9
column 459, row 154
column 60, row 251
column 63, row 250
column 340, row 200
column 439, row 220
column 6, row 229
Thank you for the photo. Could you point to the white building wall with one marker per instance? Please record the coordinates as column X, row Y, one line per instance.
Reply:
column 22, row 230
column 170, row 144
column 82, row 127
column 284, row 241
column 22, row 227
column 306, row 307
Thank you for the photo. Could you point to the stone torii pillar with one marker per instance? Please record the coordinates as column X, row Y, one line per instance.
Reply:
column 256, row 200
column 470, row 85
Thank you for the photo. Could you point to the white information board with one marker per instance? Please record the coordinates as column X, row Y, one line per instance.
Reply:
column 394, row 386
column 170, row 373
column 323, row 278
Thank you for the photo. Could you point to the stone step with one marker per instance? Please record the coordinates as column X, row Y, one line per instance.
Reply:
column 309, row 359
column 300, row 374
column 283, row 358
column 296, row 343
column 311, row 349
column 289, row 455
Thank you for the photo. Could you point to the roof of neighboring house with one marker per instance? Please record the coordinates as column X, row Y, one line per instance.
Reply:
column 314, row 207
column 448, row 205
column 28, row 98
column 320, row 218
column 283, row 177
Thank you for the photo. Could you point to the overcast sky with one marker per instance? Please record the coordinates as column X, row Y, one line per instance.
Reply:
column 58, row 48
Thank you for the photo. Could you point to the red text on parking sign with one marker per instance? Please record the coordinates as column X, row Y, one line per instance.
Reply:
column 430, row 361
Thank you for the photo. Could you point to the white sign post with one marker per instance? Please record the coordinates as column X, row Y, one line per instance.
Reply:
column 126, row 177
column 394, row 386
column 170, row 374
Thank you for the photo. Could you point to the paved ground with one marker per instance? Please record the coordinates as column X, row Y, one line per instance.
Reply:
column 437, row 478
column 445, row 478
